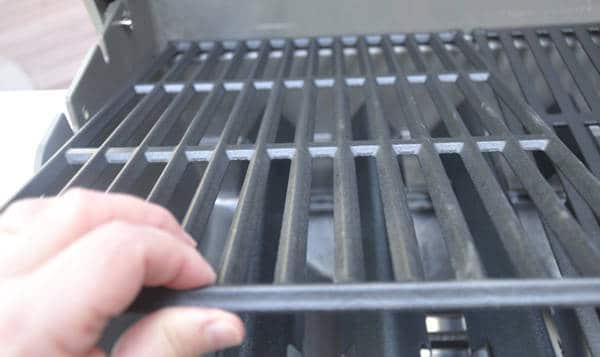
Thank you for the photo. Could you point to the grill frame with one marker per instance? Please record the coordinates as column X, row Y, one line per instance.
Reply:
column 540, row 286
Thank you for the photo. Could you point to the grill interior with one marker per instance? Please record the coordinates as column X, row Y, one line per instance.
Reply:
column 426, row 194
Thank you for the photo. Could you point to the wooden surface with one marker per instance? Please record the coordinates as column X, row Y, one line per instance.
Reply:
column 48, row 39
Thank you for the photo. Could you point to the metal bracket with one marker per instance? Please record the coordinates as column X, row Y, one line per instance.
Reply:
column 126, row 41
column 115, row 14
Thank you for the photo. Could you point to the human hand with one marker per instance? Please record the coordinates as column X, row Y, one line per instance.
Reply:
column 69, row 264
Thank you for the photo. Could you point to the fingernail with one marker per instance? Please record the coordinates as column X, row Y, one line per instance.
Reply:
column 213, row 275
column 221, row 334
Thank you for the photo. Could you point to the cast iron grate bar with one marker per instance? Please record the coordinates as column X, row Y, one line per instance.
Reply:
column 482, row 99
column 244, row 232
column 290, row 266
column 167, row 181
column 429, row 296
column 551, row 209
column 521, row 249
column 587, row 317
column 137, row 162
column 348, row 247
column 590, row 153
column 198, row 214
column 463, row 254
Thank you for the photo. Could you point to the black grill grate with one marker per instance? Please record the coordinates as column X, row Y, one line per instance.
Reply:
column 449, row 162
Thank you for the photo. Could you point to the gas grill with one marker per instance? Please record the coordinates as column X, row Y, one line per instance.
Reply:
column 396, row 194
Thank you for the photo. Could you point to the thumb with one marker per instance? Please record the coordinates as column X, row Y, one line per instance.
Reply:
column 180, row 332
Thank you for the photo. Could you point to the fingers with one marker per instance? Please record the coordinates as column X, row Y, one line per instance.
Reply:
column 180, row 332
column 99, row 275
column 59, row 221
column 94, row 252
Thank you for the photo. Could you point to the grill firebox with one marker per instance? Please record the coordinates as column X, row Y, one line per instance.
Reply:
column 432, row 194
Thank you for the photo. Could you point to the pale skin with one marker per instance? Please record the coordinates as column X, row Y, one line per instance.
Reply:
column 69, row 264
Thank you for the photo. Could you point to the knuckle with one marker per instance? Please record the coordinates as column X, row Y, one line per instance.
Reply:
column 116, row 235
column 116, row 230
column 117, row 224
column 75, row 202
column 165, row 217
column 76, row 193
